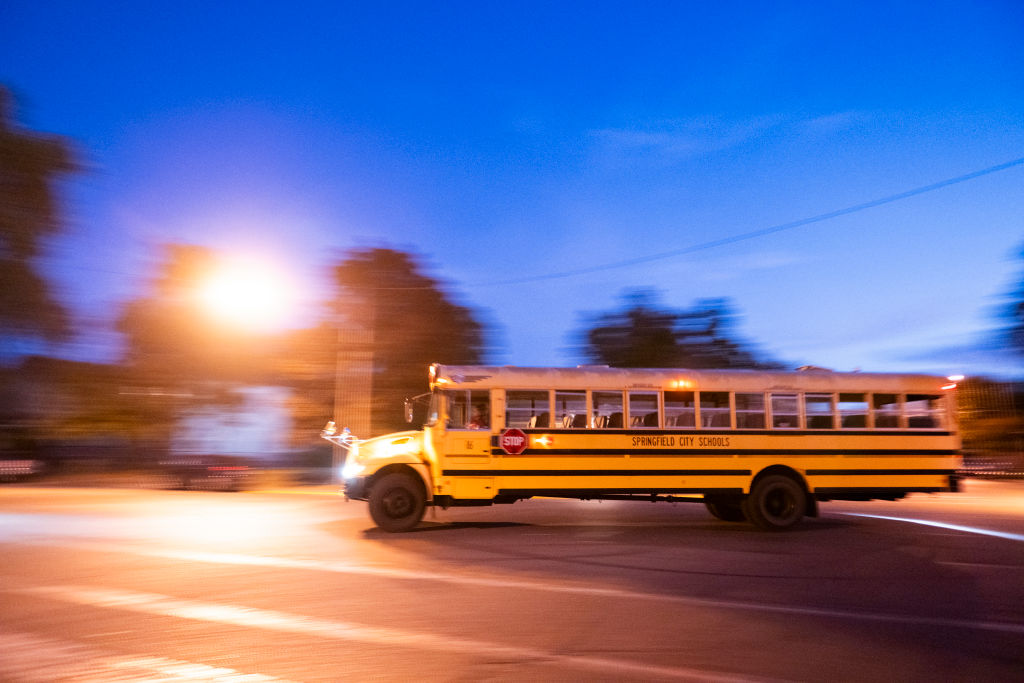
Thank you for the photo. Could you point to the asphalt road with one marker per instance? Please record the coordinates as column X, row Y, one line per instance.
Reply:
column 131, row 584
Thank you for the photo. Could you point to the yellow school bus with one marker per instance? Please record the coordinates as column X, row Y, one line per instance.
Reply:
column 755, row 446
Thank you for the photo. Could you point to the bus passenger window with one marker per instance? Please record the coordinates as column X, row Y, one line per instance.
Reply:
column 853, row 411
column 785, row 411
column 605, row 405
column 468, row 409
column 750, row 411
column 571, row 408
column 530, row 409
column 886, row 410
column 457, row 409
column 714, row 409
column 642, row 404
column 680, row 409
column 923, row 411
column 818, row 408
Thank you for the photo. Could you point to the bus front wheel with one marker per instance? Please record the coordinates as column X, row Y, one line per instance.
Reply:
column 397, row 502
column 775, row 502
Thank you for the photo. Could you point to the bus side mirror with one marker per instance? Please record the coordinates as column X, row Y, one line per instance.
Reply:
column 408, row 410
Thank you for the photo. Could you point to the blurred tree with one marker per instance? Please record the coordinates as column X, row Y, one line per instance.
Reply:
column 29, row 166
column 177, row 357
column 394, row 322
column 641, row 334
column 991, row 424
column 1013, row 316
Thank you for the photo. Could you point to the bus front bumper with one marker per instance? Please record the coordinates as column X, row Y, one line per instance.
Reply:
column 356, row 488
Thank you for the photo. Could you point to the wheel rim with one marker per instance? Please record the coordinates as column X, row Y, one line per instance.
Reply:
column 397, row 503
column 779, row 504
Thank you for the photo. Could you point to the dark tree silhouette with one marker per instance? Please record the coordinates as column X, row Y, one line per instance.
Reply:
column 399, row 321
column 637, row 336
column 1013, row 317
column 30, row 164
column 642, row 334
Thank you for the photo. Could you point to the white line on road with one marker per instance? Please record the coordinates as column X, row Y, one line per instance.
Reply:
column 942, row 525
column 594, row 591
column 151, row 603
column 30, row 658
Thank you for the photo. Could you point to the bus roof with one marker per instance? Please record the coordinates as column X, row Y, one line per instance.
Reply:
column 680, row 379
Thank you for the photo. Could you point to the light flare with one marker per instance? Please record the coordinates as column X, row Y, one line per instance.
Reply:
column 248, row 293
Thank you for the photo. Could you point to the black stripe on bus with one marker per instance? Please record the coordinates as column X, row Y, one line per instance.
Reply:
column 726, row 451
column 857, row 473
column 596, row 473
column 584, row 493
column 739, row 432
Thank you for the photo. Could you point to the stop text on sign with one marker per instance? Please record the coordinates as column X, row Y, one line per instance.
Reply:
column 513, row 441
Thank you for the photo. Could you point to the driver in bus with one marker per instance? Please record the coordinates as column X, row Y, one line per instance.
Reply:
column 479, row 419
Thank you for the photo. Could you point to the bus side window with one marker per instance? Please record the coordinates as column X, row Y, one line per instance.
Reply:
column 923, row 411
column 642, row 404
column 853, row 411
column 750, row 411
column 528, row 409
column 886, row 410
column 479, row 410
column 605, row 405
column 680, row 409
column 571, row 408
column 457, row 408
column 468, row 409
column 818, row 408
column 714, row 409
column 785, row 411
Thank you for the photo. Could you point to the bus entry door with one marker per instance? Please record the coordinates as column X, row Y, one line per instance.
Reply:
column 466, row 452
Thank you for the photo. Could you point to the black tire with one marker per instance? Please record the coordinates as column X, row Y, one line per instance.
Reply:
column 775, row 502
column 725, row 509
column 397, row 501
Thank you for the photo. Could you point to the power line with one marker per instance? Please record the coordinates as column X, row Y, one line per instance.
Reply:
column 757, row 233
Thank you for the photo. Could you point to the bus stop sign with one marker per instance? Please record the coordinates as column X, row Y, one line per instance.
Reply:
column 513, row 441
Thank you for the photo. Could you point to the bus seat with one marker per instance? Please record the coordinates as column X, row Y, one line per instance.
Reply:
column 615, row 421
column 686, row 420
column 651, row 420
column 579, row 421
column 544, row 420
column 855, row 421
column 719, row 420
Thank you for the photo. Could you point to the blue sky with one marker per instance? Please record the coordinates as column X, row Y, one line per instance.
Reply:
column 512, row 140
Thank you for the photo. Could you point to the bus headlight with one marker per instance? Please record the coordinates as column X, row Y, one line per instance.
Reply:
column 352, row 469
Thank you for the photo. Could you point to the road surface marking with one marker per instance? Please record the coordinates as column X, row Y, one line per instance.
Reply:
column 517, row 584
column 943, row 525
column 249, row 617
column 31, row 658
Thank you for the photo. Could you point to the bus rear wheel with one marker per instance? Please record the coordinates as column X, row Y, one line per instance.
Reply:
column 725, row 509
column 397, row 502
column 775, row 502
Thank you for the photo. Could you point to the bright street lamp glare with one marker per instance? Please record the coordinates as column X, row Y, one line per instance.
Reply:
column 246, row 294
